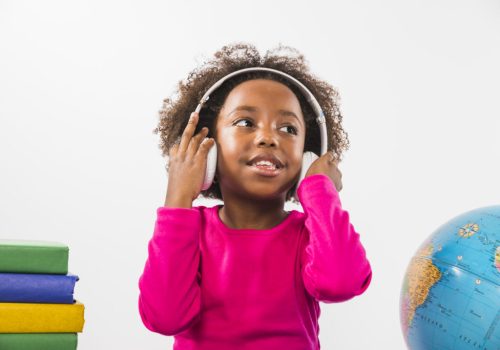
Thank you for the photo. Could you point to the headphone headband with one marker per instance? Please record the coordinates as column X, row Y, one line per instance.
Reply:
column 320, row 117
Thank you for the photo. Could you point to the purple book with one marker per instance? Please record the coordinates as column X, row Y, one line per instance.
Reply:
column 37, row 288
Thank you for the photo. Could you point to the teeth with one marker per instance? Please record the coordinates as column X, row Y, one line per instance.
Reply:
column 265, row 163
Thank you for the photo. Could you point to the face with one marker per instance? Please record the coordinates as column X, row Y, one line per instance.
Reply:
column 259, row 116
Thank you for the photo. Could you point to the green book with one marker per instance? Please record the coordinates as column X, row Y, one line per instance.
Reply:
column 23, row 256
column 38, row 341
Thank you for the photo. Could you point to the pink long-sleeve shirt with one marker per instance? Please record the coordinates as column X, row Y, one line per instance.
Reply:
column 218, row 288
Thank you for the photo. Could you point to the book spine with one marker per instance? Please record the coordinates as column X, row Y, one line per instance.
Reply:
column 41, row 318
column 32, row 259
column 37, row 288
column 38, row 341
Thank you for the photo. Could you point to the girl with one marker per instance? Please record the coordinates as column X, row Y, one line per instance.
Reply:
column 247, row 274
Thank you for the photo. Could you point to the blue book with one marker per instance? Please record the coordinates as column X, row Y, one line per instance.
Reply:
column 37, row 288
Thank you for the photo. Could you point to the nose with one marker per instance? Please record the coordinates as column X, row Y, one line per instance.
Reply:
column 266, row 136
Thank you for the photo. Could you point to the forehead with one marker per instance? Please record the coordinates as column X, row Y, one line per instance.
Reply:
column 263, row 94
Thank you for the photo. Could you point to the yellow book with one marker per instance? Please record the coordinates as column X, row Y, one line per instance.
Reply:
column 41, row 318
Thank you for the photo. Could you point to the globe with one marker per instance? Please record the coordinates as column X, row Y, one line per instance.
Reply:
column 450, row 298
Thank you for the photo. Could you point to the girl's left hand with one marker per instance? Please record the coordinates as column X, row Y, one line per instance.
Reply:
column 327, row 165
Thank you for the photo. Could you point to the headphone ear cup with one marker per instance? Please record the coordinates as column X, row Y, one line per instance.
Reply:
column 211, row 167
column 307, row 159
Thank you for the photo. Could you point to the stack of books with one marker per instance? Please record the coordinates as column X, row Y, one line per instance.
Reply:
column 37, row 308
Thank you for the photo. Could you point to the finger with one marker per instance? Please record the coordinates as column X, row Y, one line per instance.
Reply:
column 328, row 156
column 205, row 146
column 173, row 150
column 195, row 141
column 188, row 132
column 338, row 185
column 333, row 158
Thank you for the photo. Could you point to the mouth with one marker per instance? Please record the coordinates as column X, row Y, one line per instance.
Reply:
column 266, row 170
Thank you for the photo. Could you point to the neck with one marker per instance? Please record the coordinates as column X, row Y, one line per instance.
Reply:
column 252, row 214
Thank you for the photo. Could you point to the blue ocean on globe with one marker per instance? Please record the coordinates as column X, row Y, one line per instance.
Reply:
column 450, row 298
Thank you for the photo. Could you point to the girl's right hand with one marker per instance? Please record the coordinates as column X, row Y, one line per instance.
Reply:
column 188, row 163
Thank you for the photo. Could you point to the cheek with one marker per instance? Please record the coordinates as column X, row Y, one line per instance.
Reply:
column 227, row 142
column 299, row 146
column 299, row 152
column 229, row 151
column 297, row 160
column 295, row 154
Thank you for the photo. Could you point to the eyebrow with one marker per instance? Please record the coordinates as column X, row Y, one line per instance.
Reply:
column 282, row 112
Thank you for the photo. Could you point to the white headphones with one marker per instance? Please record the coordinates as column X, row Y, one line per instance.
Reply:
column 308, row 157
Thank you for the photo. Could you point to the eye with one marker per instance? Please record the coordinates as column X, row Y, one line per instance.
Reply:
column 291, row 127
column 241, row 120
column 294, row 129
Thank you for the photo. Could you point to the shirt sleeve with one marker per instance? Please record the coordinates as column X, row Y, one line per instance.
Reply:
column 169, row 299
column 334, row 264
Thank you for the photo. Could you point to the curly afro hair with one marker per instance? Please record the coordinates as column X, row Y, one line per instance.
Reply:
column 174, row 114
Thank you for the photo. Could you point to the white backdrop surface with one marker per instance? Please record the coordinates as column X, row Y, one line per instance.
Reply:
column 81, row 84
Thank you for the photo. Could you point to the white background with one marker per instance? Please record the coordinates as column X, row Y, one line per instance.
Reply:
column 81, row 83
